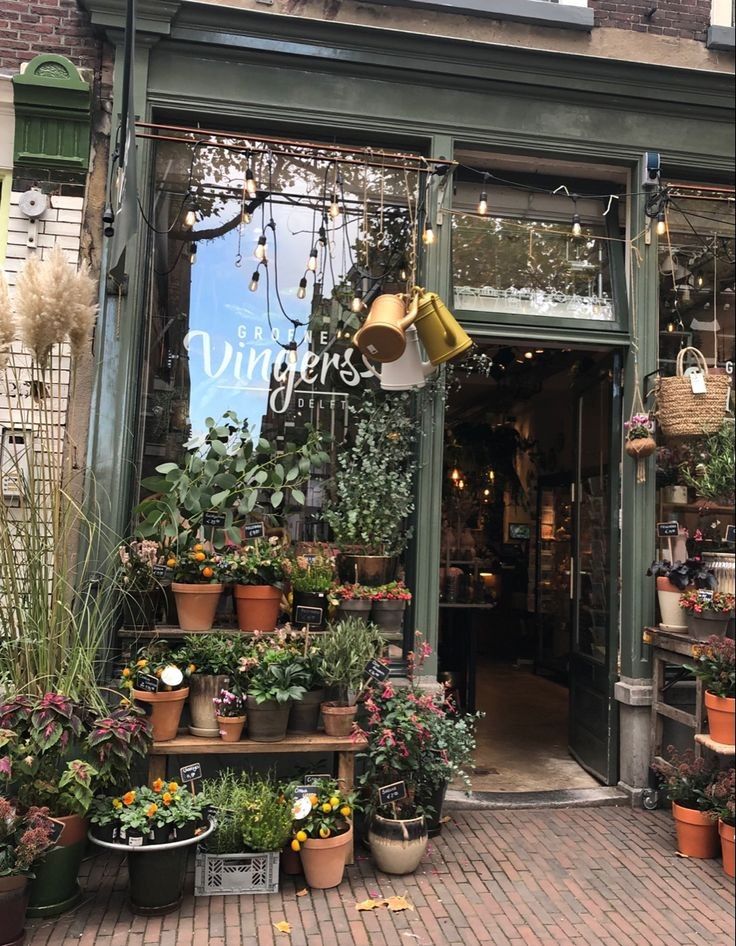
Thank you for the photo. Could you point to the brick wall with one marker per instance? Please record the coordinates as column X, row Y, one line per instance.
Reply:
column 686, row 19
column 48, row 26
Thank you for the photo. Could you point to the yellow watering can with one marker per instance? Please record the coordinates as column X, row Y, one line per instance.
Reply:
column 441, row 334
column 382, row 336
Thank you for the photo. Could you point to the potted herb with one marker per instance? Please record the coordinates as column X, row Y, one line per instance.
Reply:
column 311, row 574
column 257, row 573
column 347, row 646
column 710, row 468
column 154, row 679
column 372, row 491
column 230, row 715
column 272, row 686
column 25, row 838
column 197, row 585
column 304, row 713
column 722, row 796
column 388, row 605
column 352, row 600
column 715, row 665
column 210, row 659
column 687, row 780
column 708, row 612
column 323, row 833
column 672, row 579
column 138, row 583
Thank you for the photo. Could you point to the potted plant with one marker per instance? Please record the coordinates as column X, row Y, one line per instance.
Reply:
column 707, row 612
column 304, row 712
column 154, row 679
column 196, row 585
column 210, row 659
column 388, row 605
column 372, row 491
column 138, row 583
column 25, row 838
column 347, row 646
column 709, row 470
column 716, row 667
column 104, row 817
column 352, row 600
column 686, row 780
column 257, row 573
column 672, row 579
column 323, row 833
column 230, row 714
column 311, row 573
column 722, row 795
column 272, row 685
column 639, row 442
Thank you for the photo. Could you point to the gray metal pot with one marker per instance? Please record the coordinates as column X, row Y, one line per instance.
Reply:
column 267, row 721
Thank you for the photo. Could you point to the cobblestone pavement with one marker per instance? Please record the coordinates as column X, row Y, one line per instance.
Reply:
column 574, row 876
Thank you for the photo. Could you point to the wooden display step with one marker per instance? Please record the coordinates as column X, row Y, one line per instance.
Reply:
column 718, row 747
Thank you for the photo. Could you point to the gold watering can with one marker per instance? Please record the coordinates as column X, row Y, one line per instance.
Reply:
column 441, row 334
column 382, row 336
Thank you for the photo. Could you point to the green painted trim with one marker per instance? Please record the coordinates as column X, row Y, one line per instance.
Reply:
column 6, row 185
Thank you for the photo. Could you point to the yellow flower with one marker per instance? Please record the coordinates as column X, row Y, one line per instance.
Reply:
column 126, row 672
column 117, row 804
column 171, row 562
column 129, row 798
column 151, row 810
column 345, row 810
column 191, row 668
column 173, row 786
column 166, row 798
column 158, row 785
column 295, row 845
column 141, row 663
column 301, row 835
column 327, row 807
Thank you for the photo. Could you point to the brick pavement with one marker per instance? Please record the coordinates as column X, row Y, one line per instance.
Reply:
column 603, row 876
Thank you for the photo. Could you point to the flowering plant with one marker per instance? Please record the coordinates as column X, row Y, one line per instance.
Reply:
column 715, row 665
column 25, row 837
column 163, row 804
column 717, row 602
column 196, row 565
column 229, row 704
column 312, row 571
column 638, row 427
column 348, row 592
column 329, row 815
column 722, row 795
column 261, row 562
column 153, row 660
column 137, row 559
column 687, row 778
column 393, row 591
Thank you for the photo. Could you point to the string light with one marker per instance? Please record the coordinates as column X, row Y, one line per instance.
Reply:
column 291, row 356
column 483, row 199
column 254, row 281
column 528, row 355
column 246, row 218
column 192, row 253
column 428, row 234
column 357, row 303
column 339, row 328
column 577, row 227
column 250, row 183
column 190, row 217
column 312, row 261
column 661, row 223
column 261, row 252
column 301, row 292
column 334, row 210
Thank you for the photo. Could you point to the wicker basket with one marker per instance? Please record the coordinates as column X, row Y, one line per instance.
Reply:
column 680, row 412
column 224, row 874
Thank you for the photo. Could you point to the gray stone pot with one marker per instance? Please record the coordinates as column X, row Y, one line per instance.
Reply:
column 304, row 714
column 355, row 607
column 388, row 615
column 267, row 721
column 203, row 688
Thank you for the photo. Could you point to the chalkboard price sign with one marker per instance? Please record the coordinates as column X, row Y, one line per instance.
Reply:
column 396, row 791
column 161, row 571
column 305, row 615
column 301, row 791
column 668, row 529
column 191, row 772
column 374, row 668
column 705, row 596
column 214, row 519
column 146, row 682
column 57, row 829
column 316, row 778
column 254, row 530
column 731, row 534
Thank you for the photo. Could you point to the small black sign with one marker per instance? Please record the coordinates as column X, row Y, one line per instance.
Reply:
column 666, row 529
column 301, row 791
column 374, row 668
column 215, row 519
column 146, row 682
column 705, row 595
column 57, row 829
column 161, row 571
column 316, row 779
column 305, row 615
column 191, row 772
column 396, row 791
column 254, row 530
column 731, row 534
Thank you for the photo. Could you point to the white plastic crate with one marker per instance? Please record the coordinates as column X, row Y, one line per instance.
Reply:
column 222, row 874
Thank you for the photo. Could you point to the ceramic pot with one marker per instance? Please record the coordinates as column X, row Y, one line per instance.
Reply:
column 721, row 718
column 304, row 713
column 267, row 721
column 673, row 617
column 397, row 846
column 165, row 711
column 323, row 859
column 314, row 609
column 13, row 903
column 231, row 727
column 697, row 834
column 55, row 889
column 702, row 626
column 355, row 607
column 370, row 570
column 203, row 688
column 139, row 610
column 291, row 862
column 727, row 833
column 388, row 615
column 338, row 720
column 435, row 801
column 156, row 881
column 196, row 605
column 257, row 607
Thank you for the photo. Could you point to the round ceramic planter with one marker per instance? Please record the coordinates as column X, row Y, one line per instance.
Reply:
column 323, row 859
column 166, row 709
column 705, row 625
column 55, row 889
column 397, row 846
column 203, row 688
column 231, row 727
column 304, row 713
column 139, row 610
column 355, row 607
column 267, row 721
column 257, row 607
column 697, row 834
column 388, row 615
column 727, row 834
column 672, row 615
column 13, row 903
column 338, row 720
column 318, row 604
column 370, row 570
column 721, row 716
column 196, row 605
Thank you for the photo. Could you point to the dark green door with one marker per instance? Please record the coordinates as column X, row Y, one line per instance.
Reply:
column 595, row 569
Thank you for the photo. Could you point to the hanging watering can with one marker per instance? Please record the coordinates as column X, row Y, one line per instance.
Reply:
column 439, row 330
column 408, row 371
column 382, row 334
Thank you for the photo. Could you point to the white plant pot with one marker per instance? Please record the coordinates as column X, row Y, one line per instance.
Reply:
column 673, row 617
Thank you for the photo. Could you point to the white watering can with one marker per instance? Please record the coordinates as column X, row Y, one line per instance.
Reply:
column 408, row 371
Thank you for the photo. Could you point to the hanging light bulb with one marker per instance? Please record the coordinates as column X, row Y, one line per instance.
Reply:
column 334, row 210
column 700, row 280
column 291, row 356
column 357, row 304
column 190, row 217
column 246, row 218
column 528, row 355
column 577, row 227
column 455, row 475
column 671, row 326
column 301, row 292
column 312, row 261
column 428, row 234
column 661, row 223
column 260, row 253
column 192, row 253
column 254, row 281
column 250, row 183
column 403, row 274
column 339, row 328
column 483, row 203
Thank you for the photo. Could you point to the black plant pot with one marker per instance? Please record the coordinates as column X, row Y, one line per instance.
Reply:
column 159, row 834
column 435, row 801
column 310, row 608
column 156, row 881
column 139, row 610
column 267, row 721
column 106, row 832
column 388, row 615
column 368, row 570
column 304, row 713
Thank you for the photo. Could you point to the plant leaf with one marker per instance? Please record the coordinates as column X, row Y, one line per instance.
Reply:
column 369, row 904
column 282, row 926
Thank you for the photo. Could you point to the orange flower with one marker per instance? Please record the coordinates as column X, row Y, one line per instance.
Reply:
column 166, row 798
column 173, row 786
column 158, row 785
column 126, row 672
column 171, row 562
column 198, row 547
column 151, row 810
column 129, row 798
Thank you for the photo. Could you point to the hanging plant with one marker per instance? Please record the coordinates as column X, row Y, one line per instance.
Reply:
column 640, row 442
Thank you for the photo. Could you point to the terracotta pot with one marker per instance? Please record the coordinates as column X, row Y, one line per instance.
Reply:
column 304, row 713
column 165, row 711
column 267, row 721
column 697, row 834
column 203, row 688
column 291, row 862
column 55, row 889
column 370, row 570
column 338, row 720
column 196, row 605
column 323, row 859
column 257, row 607
column 673, row 617
column 708, row 624
column 721, row 716
column 727, row 834
column 397, row 846
column 231, row 727
column 13, row 903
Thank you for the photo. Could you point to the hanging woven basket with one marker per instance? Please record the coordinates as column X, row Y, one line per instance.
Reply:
column 641, row 447
column 683, row 413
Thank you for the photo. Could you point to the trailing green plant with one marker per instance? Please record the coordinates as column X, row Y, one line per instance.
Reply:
column 715, row 666
column 711, row 469
column 347, row 646
column 371, row 493
column 252, row 813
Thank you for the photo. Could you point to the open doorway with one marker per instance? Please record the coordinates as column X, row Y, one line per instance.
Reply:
column 529, row 561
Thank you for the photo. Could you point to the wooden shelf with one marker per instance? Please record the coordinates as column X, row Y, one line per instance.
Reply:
column 718, row 747
column 698, row 507
column 312, row 742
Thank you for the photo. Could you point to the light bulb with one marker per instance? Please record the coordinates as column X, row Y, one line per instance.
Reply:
column 301, row 292
column 483, row 203
column 339, row 328
column 670, row 327
column 193, row 254
column 246, row 218
column 254, row 281
column 577, row 228
column 312, row 261
column 292, row 355
column 661, row 224
column 357, row 303
column 260, row 253
column 455, row 475
column 334, row 210
column 700, row 280
column 528, row 355
column 190, row 218
column 250, row 183
column 403, row 274
column 428, row 235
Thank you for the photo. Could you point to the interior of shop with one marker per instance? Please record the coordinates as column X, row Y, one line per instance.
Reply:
column 508, row 540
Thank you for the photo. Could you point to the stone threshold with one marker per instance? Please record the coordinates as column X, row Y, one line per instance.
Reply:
column 561, row 798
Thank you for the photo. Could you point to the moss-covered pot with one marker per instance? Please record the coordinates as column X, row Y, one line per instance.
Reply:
column 55, row 888
column 267, row 721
